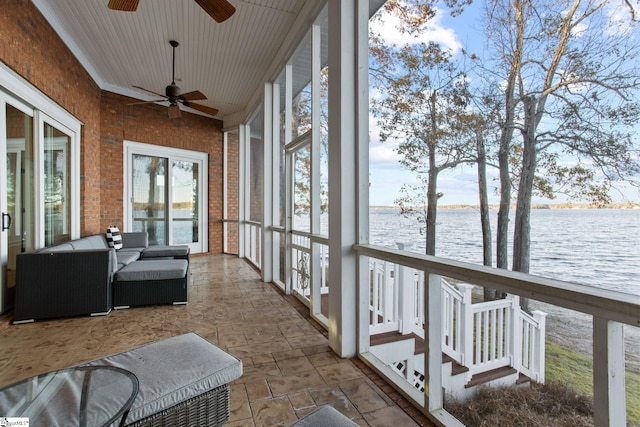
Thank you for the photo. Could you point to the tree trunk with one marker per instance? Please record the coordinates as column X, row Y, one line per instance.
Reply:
column 506, row 135
column 432, row 184
column 487, row 250
column 522, row 228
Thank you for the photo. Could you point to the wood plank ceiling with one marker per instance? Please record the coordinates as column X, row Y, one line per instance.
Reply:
column 226, row 61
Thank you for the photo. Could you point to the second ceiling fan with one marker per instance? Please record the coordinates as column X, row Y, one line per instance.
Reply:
column 173, row 94
column 219, row 10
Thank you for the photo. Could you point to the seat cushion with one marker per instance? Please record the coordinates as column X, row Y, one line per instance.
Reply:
column 164, row 251
column 153, row 270
column 173, row 370
column 126, row 257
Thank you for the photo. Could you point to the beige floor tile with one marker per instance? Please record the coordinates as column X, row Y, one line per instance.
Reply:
column 288, row 368
column 273, row 412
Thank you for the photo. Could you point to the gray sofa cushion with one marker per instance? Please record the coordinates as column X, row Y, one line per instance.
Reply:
column 97, row 241
column 165, row 251
column 173, row 370
column 126, row 257
column 153, row 270
column 57, row 248
column 135, row 240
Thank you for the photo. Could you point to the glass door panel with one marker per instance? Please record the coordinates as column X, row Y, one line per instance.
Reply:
column 149, row 197
column 18, row 217
column 57, row 168
column 184, row 203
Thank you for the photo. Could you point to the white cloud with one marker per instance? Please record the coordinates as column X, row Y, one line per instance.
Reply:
column 435, row 31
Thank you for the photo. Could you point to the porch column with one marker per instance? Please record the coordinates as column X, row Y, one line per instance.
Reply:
column 609, row 394
column 242, row 194
column 348, row 148
column 268, row 185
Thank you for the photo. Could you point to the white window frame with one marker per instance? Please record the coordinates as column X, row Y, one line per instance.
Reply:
column 21, row 94
column 172, row 154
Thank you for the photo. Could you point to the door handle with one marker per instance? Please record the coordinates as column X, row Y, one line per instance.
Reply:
column 6, row 225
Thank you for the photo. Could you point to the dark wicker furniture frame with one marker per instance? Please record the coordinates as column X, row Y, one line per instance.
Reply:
column 207, row 409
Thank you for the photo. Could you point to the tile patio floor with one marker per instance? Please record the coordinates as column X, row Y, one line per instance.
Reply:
column 289, row 369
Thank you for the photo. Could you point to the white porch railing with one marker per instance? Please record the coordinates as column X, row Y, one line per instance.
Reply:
column 301, row 263
column 481, row 336
column 610, row 312
column 253, row 242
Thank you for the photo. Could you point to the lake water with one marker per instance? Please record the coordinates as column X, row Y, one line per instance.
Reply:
column 598, row 247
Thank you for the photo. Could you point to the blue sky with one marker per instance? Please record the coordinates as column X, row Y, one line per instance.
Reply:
column 458, row 186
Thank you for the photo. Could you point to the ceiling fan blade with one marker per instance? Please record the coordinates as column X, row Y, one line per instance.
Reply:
column 174, row 111
column 195, row 95
column 203, row 109
column 123, row 5
column 147, row 102
column 219, row 10
column 150, row 91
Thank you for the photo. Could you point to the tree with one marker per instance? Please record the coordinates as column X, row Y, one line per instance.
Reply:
column 571, row 87
column 424, row 107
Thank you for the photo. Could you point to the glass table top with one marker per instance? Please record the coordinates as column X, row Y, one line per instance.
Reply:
column 80, row 396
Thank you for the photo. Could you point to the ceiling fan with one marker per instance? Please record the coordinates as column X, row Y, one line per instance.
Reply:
column 174, row 96
column 219, row 10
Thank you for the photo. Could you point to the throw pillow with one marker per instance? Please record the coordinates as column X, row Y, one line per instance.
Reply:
column 114, row 238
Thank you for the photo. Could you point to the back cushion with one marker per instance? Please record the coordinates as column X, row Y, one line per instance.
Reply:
column 114, row 238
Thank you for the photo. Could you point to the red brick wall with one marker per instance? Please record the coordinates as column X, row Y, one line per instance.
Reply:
column 33, row 50
column 233, row 207
column 150, row 124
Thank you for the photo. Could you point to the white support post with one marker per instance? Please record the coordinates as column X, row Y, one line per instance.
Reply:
column 276, row 203
column 348, row 145
column 288, row 168
column 402, row 280
column 540, row 344
column 433, row 331
column 225, row 192
column 609, row 394
column 516, row 332
column 466, row 324
column 316, row 274
column 242, row 166
column 266, row 244
column 405, row 304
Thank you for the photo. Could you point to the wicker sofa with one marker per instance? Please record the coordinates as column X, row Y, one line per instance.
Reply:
column 78, row 277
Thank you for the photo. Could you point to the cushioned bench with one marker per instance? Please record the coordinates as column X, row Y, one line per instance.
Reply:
column 150, row 282
column 184, row 381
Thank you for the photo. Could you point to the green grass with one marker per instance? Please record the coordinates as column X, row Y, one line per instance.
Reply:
column 565, row 365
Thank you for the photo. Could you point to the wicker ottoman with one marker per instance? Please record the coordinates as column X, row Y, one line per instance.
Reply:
column 151, row 282
column 184, row 381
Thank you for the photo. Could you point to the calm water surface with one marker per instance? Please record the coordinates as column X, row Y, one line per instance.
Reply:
column 597, row 247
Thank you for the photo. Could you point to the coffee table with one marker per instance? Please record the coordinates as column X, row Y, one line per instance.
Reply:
column 84, row 396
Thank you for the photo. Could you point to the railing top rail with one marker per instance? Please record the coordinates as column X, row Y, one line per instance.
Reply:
column 606, row 304
column 315, row 238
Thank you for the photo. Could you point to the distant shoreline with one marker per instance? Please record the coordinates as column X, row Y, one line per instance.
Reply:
column 630, row 205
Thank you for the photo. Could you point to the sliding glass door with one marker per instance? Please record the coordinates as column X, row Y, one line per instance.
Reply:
column 39, row 186
column 16, row 193
column 167, row 195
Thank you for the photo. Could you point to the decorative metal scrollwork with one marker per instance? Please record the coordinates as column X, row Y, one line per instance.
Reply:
column 303, row 271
